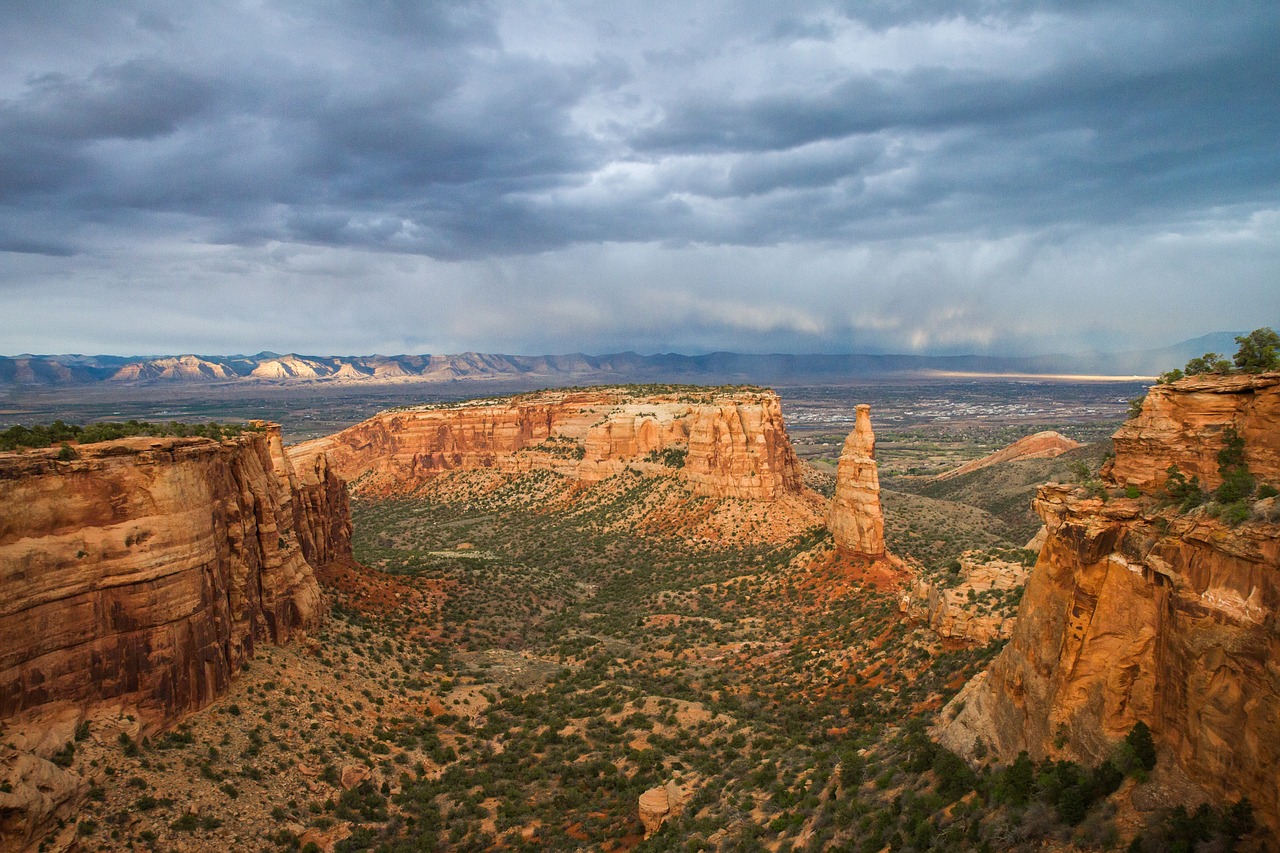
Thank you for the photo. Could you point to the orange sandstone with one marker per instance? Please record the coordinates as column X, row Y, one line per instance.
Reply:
column 1138, row 613
column 722, row 443
column 855, row 518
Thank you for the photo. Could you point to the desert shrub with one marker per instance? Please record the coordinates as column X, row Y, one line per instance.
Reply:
column 671, row 457
column 955, row 779
column 1187, row 494
column 1234, row 513
column 59, row 432
column 1237, row 482
column 1207, row 828
column 1210, row 362
column 65, row 756
column 1014, row 784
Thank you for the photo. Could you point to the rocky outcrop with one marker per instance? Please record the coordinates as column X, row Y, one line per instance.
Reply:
column 723, row 443
column 1136, row 612
column 658, row 804
column 855, row 518
column 1041, row 445
column 1183, row 423
column 980, row 606
column 148, row 569
column 35, row 797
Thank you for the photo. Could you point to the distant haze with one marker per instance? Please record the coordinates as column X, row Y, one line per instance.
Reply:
column 999, row 179
column 70, row 371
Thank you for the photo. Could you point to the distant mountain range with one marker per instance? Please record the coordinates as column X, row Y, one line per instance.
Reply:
column 274, row 368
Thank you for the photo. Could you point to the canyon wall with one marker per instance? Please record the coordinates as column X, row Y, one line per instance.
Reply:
column 855, row 518
column 145, row 572
column 723, row 443
column 1136, row 611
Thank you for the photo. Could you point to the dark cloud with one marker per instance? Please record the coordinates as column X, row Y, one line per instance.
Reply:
column 939, row 152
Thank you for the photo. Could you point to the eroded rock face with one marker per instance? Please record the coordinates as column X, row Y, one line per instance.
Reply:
column 978, row 609
column 1134, row 612
column 658, row 804
column 722, row 443
column 1182, row 424
column 855, row 518
column 146, row 571
column 36, row 795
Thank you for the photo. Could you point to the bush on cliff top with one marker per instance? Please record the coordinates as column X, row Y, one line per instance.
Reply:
column 1259, row 352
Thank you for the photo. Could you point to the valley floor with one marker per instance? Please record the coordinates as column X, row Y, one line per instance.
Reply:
column 524, row 657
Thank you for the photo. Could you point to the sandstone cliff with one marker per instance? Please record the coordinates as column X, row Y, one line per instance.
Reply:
column 855, row 518
column 146, row 571
column 1182, row 424
column 725, row 444
column 1136, row 612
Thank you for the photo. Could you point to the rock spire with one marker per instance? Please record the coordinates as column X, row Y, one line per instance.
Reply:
column 855, row 518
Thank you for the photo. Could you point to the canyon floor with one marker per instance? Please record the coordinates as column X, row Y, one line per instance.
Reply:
column 517, row 658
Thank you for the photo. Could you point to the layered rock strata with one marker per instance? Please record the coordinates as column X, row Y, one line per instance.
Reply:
column 1182, row 424
column 145, row 572
column 1136, row 612
column 855, row 518
column 724, row 444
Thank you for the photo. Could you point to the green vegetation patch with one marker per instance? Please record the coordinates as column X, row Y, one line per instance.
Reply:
column 45, row 435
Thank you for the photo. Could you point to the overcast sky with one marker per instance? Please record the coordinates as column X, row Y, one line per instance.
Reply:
column 544, row 177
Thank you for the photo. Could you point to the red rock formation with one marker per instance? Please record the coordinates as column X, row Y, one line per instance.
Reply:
column 318, row 500
column 1182, row 424
column 965, row 612
column 1042, row 445
column 855, row 518
column 1135, row 612
column 146, row 571
column 733, row 443
column 38, row 797
column 658, row 804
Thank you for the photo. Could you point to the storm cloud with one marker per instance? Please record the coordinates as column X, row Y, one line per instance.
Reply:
column 556, row 176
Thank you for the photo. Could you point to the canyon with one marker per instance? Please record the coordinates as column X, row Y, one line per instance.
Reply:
column 569, row 591
column 1139, row 612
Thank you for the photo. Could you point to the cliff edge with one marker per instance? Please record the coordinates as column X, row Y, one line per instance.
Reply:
column 1138, row 610
column 147, row 570
column 137, row 579
column 724, row 443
